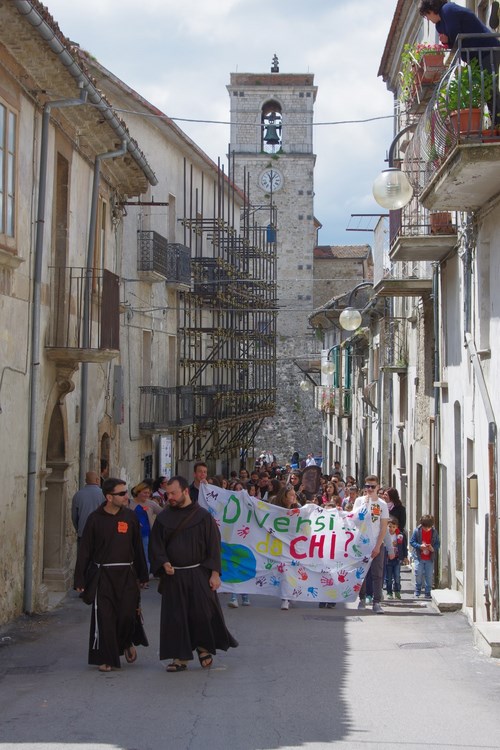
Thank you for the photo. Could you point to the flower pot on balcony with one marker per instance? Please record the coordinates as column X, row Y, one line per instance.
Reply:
column 441, row 223
column 467, row 121
column 431, row 67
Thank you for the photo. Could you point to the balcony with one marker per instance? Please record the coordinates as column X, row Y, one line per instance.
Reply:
column 332, row 400
column 419, row 235
column 405, row 279
column 453, row 159
column 393, row 346
column 84, row 316
column 162, row 408
column 160, row 260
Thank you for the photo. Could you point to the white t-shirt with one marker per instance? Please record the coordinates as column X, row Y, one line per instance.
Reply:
column 377, row 507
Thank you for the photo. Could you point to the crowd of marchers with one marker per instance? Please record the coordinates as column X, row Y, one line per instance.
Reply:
column 160, row 531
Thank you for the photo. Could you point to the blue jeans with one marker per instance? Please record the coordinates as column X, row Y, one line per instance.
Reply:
column 424, row 570
column 393, row 573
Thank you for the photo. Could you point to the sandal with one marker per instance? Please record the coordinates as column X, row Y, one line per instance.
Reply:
column 176, row 666
column 130, row 654
column 205, row 659
column 104, row 668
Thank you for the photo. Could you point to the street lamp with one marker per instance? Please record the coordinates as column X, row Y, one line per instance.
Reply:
column 392, row 188
column 350, row 318
column 305, row 385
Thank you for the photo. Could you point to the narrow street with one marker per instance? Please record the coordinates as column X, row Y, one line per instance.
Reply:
column 306, row 678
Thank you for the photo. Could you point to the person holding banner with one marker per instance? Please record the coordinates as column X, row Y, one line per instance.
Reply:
column 185, row 552
column 376, row 509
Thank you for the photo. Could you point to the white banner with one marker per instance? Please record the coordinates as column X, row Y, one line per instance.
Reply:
column 308, row 554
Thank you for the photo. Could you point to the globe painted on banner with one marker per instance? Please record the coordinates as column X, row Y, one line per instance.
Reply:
column 238, row 563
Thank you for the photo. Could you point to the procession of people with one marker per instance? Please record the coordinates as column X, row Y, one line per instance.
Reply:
column 162, row 532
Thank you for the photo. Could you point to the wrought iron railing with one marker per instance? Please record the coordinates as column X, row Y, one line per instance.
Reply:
column 464, row 108
column 84, row 309
column 332, row 400
column 168, row 259
column 416, row 221
column 393, row 344
column 170, row 408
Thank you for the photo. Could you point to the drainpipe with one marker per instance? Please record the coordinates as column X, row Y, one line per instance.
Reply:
column 84, row 381
column 35, row 347
column 492, row 473
column 437, row 395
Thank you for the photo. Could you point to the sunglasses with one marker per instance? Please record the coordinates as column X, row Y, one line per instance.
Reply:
column 370, row 486
column 122, row 494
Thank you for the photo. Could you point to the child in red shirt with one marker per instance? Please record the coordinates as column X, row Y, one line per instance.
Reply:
column 425, row 543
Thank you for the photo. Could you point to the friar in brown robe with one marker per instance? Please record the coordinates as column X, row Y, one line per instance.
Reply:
column 110, row 569
column 185, row 552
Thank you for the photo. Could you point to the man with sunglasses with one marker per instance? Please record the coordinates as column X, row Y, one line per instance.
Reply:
column 110, row 564
column 376, row 511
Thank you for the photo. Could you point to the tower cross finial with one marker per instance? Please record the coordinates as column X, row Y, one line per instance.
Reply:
column 275, row 67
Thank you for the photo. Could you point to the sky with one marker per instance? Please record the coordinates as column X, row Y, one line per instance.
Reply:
column 179, row 56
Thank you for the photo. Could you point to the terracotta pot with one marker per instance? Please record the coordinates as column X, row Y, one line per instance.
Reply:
column 441, row 223
column 467, row 121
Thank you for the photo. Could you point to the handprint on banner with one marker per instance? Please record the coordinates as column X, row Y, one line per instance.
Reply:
column 362, row 514
column 302, row 574
column 313, row 591
column 297, row 592
column 243, row 532
column 356, row 587
column 326, row 581
column 347, row 593
column 274, row 581
column 364, row 540
column 356, row 550
column 359, row 573
column 342, row 576
column 269, row 564
column 294, row 563
column 293, row 512
column 261, row 581
column 281, row 567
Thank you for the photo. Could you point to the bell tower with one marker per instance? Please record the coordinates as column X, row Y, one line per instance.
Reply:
column 272, row 139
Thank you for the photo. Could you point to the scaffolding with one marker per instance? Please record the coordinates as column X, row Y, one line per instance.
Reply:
column 227, row 325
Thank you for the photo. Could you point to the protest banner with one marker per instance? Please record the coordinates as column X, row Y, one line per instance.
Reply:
column 307, row 554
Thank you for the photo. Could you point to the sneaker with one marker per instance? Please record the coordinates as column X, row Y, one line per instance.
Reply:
column 417, row 594
column 398, row 594
column 285, row 604
column 390, row 596
column 428, row 596
column 369, row 599
column 245, row 600
column 322, row 605
column 377, row 608
column 362, row 604
column 233, row 602
column 331, row 605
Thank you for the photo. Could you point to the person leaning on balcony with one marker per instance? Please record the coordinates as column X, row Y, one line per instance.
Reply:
column 451, row 20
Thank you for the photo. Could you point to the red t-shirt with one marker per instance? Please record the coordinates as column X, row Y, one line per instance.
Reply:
column 425, row 553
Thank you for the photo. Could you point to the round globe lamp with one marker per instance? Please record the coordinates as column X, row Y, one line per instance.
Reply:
column 327, row 368
column 392, row 189
column 350, row 319
column 305, row 385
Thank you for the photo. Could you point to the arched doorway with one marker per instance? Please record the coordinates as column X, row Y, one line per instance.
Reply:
column 56, row 571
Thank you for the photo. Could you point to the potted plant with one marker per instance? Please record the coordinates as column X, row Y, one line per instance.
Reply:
column 463, row 95
column 420, row 64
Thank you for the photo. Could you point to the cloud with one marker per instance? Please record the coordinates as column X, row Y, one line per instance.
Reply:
column 180, row 56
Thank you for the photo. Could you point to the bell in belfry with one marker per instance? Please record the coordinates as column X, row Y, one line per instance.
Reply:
column 271, row 135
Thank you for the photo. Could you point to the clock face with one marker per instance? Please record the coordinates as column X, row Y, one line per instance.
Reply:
column 271, row 180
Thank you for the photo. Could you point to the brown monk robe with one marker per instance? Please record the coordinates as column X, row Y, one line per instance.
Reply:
column 109, row 568
column 185, row 551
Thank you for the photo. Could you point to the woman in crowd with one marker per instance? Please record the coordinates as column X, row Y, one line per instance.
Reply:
column 160, row 491
column 396, row 507
column 146, row 510
column 296, row 482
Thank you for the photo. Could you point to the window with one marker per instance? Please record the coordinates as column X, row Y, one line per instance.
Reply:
column 8, row 126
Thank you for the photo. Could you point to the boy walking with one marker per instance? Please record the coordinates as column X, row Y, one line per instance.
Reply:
column 397, row 553
column 425, row 543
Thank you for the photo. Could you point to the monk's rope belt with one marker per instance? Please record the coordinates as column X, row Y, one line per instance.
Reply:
column 95, row 645
column 185, row 567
